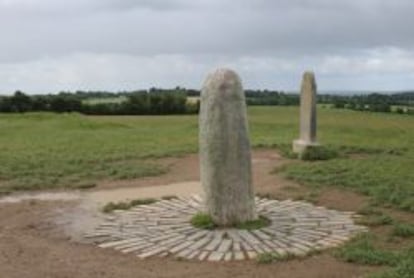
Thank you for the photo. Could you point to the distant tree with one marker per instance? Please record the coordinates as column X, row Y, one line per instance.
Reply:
column 137, row 104
column 5, row 105
column 20, row 102
column 339, row 103
column 399, row 110
column 64, row 103
column 40, row 103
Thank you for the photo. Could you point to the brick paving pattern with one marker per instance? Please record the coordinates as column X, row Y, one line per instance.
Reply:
column 164, row 229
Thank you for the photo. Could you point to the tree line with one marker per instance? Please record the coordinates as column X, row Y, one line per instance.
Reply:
column 157, row 101
column 266, row 97
column 402, row 103
column 154, row 101
column 136, row 103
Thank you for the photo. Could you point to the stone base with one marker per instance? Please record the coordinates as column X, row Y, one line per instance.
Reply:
column 299, row 145
column 163, row 229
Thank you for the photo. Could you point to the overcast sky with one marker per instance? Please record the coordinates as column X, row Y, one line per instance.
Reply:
column 52, row 45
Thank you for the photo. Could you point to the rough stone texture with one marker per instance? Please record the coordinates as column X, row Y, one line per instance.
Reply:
column 225, row 159
column 307, row 114
column 296, row 228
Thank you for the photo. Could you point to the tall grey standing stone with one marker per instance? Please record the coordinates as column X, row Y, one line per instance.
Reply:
column 225, row 159
column 307, row 114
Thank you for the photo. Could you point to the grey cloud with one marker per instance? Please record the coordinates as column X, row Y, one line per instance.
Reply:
column 301, row 32
column 268, row 28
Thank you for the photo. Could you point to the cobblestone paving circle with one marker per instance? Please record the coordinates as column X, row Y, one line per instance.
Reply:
column 163, row 229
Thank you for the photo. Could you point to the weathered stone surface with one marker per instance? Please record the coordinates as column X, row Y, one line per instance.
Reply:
column 228, row 256
column 215, row 256
column 152, row 252
column 251, row 254
column 225, row 159
column 200, row 243
column 213, row 244
column 307, row 114
column 224, row 246
column 238, row 256
column 203, row 255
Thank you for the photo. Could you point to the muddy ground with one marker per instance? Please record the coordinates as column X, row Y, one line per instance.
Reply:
column 35, row 244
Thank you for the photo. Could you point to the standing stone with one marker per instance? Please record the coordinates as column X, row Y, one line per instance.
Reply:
column 307, row 114
column 225, row 159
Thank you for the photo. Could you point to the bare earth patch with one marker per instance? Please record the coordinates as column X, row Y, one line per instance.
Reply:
column 33, row 241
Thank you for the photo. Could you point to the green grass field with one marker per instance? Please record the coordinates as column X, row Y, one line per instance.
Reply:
column 374, row 156
column 41, row 150
column 119, row 99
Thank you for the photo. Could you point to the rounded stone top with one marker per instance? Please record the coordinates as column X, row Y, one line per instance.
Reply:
column 308, row 81
column 309, row 75
column 224, row 82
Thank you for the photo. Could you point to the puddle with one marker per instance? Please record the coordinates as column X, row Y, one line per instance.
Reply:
column 100, row 197
column 87, row 215
column 76, row 220
column 44, row 196
column 115, row 195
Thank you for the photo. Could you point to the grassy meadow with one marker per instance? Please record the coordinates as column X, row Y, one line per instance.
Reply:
column 118, row 99
column 44, row 150
column 374, row 155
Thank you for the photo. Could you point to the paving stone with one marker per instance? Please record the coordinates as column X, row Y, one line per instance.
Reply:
column 180, row 247
column 341, row 238
column 251, row 254
column 164, row 229
column 197, row 235
column 311, row 232
column 118, row 242
column 248, row 237
column 258, row 248
column 233, row 234
column 266, row 248
column 215, row 256
column 193, row 255
column 238, row 256
column 184, row 253
column 163, row 254
column 236, row 246
column 200, row 243
column 224, row 246
column 130, row 244
column 228, row 256
column 163, row 237
column 203, row 255
column 307, row 225
column 213, row 244
column 152, row 252
column 300, row 241
column 270, row 243
column 281, row 252
column 246, row 246
column 328, row 243
column 219, row 234
column 296, row 251
column 136, row 247
column 280, row 242
column 301, row 247
column 172, row 241
column 260, row 235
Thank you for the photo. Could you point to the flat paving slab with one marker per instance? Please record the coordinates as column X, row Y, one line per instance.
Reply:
column 164, row 229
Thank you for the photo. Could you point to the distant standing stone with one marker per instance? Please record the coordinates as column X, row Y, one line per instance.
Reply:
column 225, row 159
column 307, row 114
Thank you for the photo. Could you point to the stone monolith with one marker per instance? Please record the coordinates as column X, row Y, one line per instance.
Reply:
column 307, row 114
column 225, row 159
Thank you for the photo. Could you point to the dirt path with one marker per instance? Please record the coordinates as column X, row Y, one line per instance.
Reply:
column 33, row 244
